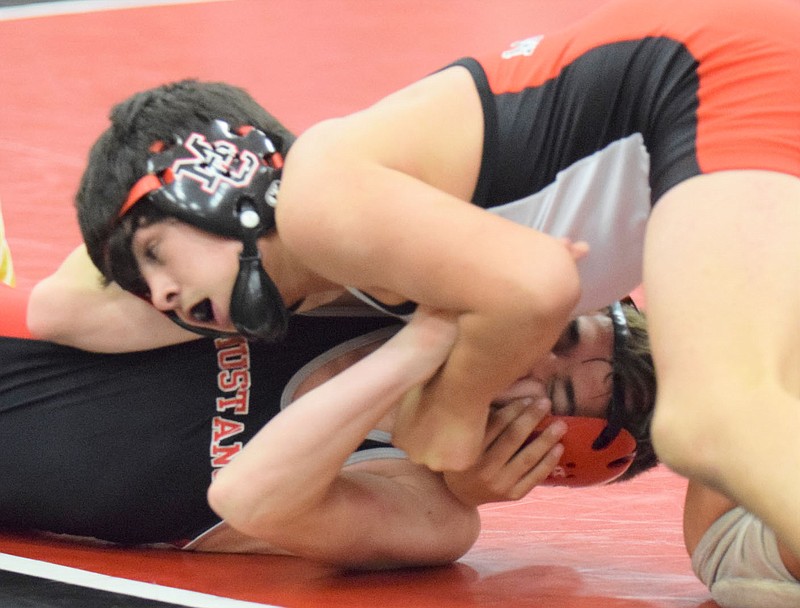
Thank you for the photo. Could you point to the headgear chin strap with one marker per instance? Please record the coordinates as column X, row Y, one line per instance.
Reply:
column 224, row 183
column 581, row 464
column 257, row 309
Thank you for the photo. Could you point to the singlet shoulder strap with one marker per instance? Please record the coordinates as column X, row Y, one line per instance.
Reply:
column 403, row 311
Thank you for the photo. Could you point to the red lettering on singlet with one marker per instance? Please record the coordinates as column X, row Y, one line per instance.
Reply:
column 233, row 382
column 232, row 353
column 233, row 358
column 224, row 429
column 239, row 403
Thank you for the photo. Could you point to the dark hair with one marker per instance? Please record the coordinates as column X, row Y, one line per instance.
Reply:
column 119, row 158
column 633, row 367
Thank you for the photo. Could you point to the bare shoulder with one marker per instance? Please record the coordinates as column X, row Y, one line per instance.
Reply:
column 431, row 129
column 358, row 180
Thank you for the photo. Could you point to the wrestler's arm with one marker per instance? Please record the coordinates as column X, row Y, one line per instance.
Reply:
column 390, row 216
column 287, row 486
column 503, row 473
column 74, row 308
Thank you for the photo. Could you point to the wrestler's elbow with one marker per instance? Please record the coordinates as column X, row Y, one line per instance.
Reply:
column 262, row 508
column 551, row 293
column 230, row 497
column 790, row 559
column 462, row 534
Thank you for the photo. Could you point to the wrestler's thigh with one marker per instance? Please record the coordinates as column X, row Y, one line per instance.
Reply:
column 722, row 281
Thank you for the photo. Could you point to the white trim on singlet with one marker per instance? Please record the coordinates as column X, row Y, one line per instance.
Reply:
column 379, row 335
column 287, row 395
column 603, row 199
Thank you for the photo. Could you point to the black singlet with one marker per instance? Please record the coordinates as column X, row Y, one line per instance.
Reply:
column 123, row 447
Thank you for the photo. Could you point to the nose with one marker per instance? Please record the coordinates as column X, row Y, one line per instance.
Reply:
column 163, row 292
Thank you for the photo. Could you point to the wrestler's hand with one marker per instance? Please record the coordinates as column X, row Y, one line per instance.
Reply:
column 427, row 340
column 507, row 468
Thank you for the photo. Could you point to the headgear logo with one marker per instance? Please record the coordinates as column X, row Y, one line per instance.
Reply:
column 215, row 164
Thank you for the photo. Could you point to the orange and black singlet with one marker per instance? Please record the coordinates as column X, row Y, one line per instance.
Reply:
column 587, row 127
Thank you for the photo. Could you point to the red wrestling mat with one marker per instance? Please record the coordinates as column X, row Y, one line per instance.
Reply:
column 617, row 547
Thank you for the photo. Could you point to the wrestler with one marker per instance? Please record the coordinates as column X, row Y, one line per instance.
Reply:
column 133, row 440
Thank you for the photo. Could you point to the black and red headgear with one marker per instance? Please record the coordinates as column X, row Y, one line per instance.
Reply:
column 225, row 183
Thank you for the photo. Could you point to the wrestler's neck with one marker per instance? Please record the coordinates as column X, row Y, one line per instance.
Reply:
column 295, row 281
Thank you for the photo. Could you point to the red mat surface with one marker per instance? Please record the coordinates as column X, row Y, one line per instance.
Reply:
column 614, row 547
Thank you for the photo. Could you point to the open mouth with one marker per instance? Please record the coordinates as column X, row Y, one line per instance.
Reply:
column 202, row 312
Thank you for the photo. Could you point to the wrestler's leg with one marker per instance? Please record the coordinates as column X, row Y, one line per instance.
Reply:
column 722, row 280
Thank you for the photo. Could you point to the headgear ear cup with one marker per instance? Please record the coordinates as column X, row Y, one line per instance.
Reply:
column 582, row 465
column 257, row 309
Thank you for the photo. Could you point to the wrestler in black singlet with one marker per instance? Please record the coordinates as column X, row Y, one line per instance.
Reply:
column 123, row 447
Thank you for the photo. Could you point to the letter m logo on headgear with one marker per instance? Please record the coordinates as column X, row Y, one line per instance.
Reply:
column 212, row 164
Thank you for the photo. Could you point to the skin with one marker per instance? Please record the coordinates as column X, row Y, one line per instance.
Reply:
column 422, row 198
column 501, row 473
column 724, row 332
column 174, row 254
column 258, row 495
column 576, row 375
column 726, row 338
column 505, row 307
column 721, row 275
column 430, row 517
column 119, row 322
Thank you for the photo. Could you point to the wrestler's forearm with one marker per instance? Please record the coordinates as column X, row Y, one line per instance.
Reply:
column 290, row 467
column 444, row 430
column 73, row 307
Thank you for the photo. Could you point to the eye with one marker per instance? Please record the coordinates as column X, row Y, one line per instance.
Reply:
column 569, row 339
column 151, row 253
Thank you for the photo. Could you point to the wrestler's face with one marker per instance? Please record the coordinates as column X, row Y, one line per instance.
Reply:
column 188, row 271
column 576, row 375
